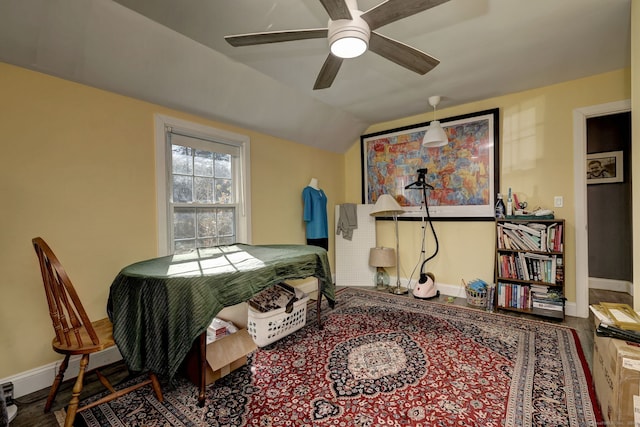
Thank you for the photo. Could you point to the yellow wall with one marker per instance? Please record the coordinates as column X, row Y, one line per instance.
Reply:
column 77, row 168
column 536, row 161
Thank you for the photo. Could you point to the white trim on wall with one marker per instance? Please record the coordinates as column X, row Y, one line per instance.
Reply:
column 580, row 116
column 611, row 285
column 42, row 377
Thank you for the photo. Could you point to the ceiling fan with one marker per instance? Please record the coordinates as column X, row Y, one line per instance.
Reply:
column 350, row 33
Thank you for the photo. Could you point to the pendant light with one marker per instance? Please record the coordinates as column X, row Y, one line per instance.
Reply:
column 435, row 135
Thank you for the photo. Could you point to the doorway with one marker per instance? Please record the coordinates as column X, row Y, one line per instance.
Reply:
column 580, row 117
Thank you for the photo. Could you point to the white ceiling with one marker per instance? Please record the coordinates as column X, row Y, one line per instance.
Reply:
column 172, row 52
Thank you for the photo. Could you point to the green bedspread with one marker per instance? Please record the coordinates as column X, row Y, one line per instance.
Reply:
column 160, row 306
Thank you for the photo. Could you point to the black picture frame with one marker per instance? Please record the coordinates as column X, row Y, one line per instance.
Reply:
column 470, row 165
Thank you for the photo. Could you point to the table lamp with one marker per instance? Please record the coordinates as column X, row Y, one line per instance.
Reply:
column 388, row 206
column 380, row 258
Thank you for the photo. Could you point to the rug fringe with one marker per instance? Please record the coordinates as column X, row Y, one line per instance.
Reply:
column 61, row 415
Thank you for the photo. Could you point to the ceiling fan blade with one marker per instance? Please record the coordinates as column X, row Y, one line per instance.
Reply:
column 336, row 9
column 403, row 55
column 392, row 10
column 275, row 37
column 328, row 72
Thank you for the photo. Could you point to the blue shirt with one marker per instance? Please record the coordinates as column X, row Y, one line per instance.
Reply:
column 315, row 213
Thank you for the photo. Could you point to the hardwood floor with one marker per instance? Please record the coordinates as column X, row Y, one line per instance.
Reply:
column 30, row 407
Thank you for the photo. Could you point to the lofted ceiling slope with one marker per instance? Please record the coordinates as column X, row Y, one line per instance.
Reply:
column 173, row 53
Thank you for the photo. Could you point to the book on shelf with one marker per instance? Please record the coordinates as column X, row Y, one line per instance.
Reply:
column 513, row 295
column 529, row 266
column 491, row 296
column 547, row 305
column 530, row 236
column 530, row 230
column 559, row 270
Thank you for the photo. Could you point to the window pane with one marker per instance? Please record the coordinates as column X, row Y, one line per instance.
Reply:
column 230, row 240
column 182, row 189
column 224, row 195
column 223, row 165
column 182, row 246
column 225, row 222
column 206, row 223
column 202, row 181
column 184, row 223
column 207, row 243
column 182, row 159
column 203, row 163
column 204, row 189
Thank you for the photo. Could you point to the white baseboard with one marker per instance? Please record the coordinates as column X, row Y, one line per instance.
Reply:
column 39, row 378
column 611, row 285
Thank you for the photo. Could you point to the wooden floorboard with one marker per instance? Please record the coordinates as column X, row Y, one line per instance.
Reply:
column 31, row 407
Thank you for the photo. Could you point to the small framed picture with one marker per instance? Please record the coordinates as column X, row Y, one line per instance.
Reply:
column 605, row 168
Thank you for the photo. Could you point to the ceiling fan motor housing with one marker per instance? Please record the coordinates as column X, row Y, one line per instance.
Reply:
column 344, row 29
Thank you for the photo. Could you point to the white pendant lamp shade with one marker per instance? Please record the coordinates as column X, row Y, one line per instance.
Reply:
column 435, row 136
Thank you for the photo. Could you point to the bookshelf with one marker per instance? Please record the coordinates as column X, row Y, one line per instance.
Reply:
column 530, row 266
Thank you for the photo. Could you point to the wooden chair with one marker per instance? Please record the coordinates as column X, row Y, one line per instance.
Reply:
column 76, row 334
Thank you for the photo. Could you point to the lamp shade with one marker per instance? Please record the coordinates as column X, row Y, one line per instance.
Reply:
column 382, row 257
column 435, row 136
column 386, row 205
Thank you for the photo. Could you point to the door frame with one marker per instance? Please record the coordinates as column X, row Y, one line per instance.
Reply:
column 580, row 116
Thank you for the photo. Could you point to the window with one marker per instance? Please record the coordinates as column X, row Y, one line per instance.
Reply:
column 202, row 186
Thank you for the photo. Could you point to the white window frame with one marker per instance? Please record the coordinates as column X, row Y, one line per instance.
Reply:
column 243, row 189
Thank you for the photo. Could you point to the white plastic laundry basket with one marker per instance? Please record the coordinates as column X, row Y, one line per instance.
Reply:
column 266, row 328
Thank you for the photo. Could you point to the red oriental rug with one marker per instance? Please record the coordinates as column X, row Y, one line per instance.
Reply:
column 386, row 360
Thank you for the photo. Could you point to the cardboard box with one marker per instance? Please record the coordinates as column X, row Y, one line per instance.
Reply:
column 616, row 376
column 223, row 356
column 308, row 285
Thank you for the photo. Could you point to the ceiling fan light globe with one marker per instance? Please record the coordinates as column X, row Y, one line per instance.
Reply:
column 348, row 47
column 349, row 38
column 435, row 136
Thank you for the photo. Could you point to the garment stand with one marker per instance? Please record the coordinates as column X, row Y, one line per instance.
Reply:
column 421, row 184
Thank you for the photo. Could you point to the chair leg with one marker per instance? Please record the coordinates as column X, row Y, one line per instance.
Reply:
column 56, row 383
column 156, row 387
column 105, row 382
column 75, row 396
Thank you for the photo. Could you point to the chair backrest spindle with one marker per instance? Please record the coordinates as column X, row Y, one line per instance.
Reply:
column 65, row 308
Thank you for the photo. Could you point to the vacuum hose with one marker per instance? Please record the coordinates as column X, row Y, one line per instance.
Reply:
column 423, row 276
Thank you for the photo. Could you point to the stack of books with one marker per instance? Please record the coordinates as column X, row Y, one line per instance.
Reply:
column 530, row 236
column 547, row 298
